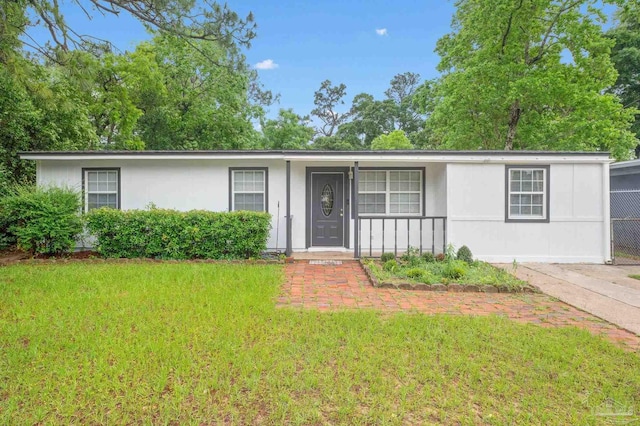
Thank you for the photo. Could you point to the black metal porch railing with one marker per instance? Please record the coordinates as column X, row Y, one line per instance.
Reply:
column 426, row 233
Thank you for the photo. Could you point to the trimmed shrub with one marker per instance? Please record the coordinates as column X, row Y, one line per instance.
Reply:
column 390, row 265
column 41, row 220
column 455, row 269
column 387, row 257
column 171, row 234
column 464, row 254
column 428, row 257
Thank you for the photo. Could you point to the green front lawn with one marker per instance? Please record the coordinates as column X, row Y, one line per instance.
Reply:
column 204, row 344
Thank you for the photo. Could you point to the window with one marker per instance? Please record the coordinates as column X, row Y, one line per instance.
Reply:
column 527, row 193
column 102, row 188
column 248, row 189
column 390, row 192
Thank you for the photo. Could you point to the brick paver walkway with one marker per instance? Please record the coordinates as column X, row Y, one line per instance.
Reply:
column 329, row 287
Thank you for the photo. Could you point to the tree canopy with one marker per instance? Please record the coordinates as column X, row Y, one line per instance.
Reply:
column 625, row 55
column 528, row 74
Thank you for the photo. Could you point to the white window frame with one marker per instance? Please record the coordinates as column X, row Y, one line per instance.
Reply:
column 388, row 192
column 85, row 176
column 265, row 186
column 544, row 217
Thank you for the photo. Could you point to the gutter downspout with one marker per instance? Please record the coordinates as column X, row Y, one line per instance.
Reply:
column 356, row 221
column 288, row 249
column 606, row 213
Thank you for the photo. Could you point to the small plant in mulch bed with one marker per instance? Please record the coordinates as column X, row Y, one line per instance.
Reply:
column 387, row 257
column 444, row 268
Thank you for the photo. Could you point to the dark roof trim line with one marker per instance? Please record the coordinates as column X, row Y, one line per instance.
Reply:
column 313, row 153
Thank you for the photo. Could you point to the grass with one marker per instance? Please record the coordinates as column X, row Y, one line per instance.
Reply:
column 414, row 269
column 201, row 343
column 635, row 276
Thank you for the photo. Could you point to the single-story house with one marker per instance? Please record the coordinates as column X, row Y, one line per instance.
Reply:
column 504, row 205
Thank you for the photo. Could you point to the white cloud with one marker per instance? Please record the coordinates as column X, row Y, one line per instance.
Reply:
column 267, row 64
column 382, row 31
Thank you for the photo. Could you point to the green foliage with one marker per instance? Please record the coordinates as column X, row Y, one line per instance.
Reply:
column 387, row 256
column 41, row 220
column 428, row 257
column 416, row 273
column 526, row 93
column 625, row 55
column 390, row 265
column 288, row 131
column 326, row 100
column 464, row 254
column 170, row 234
column 455, row 269
column 394, row 140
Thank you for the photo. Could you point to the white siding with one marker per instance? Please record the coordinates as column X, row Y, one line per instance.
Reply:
column 575, row 232
column 470, row 194
column 176, row 184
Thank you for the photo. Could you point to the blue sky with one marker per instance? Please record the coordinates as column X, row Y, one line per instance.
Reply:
column 311, row 41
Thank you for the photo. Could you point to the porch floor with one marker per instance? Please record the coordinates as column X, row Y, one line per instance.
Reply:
column 322, row 255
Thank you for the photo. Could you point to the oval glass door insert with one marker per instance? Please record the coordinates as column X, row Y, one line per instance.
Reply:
column 326, row 200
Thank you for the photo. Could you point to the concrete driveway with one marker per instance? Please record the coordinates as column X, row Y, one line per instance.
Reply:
column 602, row 290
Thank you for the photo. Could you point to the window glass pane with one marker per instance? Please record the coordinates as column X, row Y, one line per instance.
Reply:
column 371, row 203
column 530, row 183
column 111, row 186
column 93, row 186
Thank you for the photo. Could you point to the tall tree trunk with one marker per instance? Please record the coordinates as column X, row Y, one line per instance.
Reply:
column 514, row 118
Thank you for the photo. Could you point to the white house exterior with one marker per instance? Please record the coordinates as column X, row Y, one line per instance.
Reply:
column 504, row 205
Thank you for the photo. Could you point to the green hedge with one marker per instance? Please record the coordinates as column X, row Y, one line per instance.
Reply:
column 40, row 220
column 170, row 234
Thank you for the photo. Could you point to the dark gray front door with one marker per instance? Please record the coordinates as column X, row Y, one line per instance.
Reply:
column 327, row 209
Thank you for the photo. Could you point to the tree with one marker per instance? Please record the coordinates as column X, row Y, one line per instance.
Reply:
column 625, row 55
column 369, row 119
column 528, row 74
column 201, row 105
column 191, row 20
column 394, row 140
column 288, row 131
column 38, row 111
column 331, row 143
column 326, row 99
column 402, row 93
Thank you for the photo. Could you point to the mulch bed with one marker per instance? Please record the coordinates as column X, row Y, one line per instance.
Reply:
column 458, row 288
column 10, row 257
